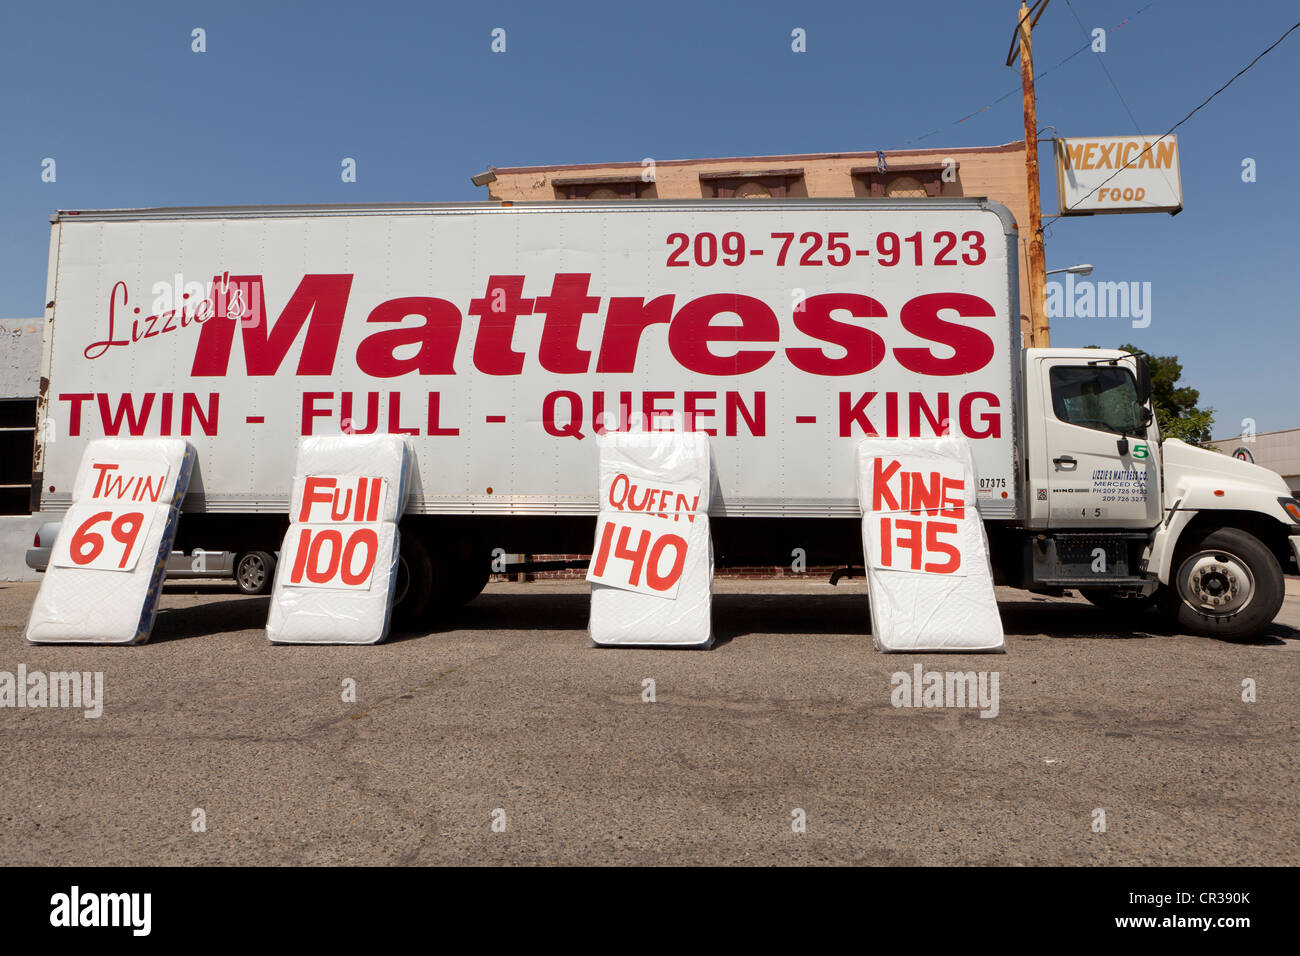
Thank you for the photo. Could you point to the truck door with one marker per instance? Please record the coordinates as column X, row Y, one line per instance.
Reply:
column 1096, row 474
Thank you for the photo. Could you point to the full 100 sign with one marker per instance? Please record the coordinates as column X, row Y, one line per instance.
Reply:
column 108, row 530
column 338, row 533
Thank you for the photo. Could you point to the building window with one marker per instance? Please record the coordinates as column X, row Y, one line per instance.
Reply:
column 753, row 184
column 603, row 187
column 901, row 181
column 17, row 437
column 904, row 187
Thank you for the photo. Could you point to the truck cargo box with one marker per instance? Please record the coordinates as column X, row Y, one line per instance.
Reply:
column 504, row 337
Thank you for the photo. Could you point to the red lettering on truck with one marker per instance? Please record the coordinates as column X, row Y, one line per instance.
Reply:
column 708, row 335
column 863, row 348
column 318, row 303
column 436, row 338
column 136, row 417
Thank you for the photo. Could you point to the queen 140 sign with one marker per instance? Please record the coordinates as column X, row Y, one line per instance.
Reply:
column 641, row 544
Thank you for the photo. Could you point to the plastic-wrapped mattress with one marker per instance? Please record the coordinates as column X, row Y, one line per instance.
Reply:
column 110, row 557
column 652, row 563
column 335, row 580
column 926, row 553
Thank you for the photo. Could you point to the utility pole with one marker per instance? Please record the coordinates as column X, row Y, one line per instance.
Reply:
column 1040, row 329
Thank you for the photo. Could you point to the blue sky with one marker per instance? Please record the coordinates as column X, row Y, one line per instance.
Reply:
column 412, row 91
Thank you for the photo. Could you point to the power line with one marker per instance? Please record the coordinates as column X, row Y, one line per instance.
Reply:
column 1203, row 103
column 1016, row 91
column 1102, row 63
column 1137, row 127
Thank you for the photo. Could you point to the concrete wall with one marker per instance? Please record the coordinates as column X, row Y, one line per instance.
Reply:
column 997, row 172
column 20, row 357
column 1278, row 451
column 20, row 372
column 16, row 532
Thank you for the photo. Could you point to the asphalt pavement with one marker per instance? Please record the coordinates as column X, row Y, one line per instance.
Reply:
column 501, row 736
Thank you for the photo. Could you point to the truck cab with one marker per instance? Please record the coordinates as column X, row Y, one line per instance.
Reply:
column 1131, row 520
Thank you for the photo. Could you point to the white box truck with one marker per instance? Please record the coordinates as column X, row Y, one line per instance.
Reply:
column 502, row 337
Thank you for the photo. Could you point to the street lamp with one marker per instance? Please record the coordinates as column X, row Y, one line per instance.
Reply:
column 1082, row 270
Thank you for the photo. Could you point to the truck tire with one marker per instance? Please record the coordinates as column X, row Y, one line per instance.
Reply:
column 1114, row 601
column 460, row 571
column 254, row 572
column 471, row 579
column 1225, row 583
column 414, row 582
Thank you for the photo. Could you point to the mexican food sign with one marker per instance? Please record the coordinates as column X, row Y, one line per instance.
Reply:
column 1118, row 174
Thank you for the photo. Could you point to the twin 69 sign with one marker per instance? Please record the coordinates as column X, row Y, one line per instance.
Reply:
column 643, row 535
column 336, row 536
column 107, row 530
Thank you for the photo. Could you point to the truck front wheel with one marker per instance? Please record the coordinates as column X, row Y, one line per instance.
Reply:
column 1226, row 583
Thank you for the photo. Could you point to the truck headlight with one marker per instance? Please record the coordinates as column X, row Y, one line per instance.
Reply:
column 1292, row 507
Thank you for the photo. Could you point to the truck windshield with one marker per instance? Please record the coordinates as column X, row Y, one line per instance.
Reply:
column 1096, row 396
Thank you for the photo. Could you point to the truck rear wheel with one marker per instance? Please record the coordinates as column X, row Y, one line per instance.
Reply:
column 459, row 573
column 414, row 582
column 471, row 580
column 1226, row 583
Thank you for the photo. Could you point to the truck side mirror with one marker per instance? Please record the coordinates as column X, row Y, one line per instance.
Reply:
column 1143, row 379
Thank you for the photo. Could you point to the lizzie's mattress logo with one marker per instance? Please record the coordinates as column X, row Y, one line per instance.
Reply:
column 176, row 305
column 951, row 328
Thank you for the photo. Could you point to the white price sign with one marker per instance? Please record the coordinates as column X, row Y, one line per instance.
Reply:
column 917, row 521
column 331, row 499
column 339, row 557
column 638, row 552
column 662, row 498
column 103, row 535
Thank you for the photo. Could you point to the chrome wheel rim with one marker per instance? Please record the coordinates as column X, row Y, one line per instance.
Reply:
column 252, row 573
column 1216, row 583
